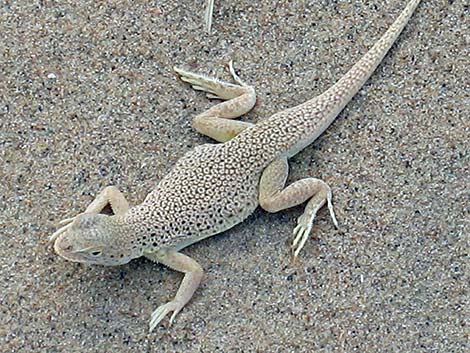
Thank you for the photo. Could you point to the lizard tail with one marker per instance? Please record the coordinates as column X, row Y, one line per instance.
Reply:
column 293, row 129
column 338, row 95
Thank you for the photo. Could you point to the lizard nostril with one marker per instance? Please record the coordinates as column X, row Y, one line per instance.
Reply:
column 65, row 246
column 68, row 248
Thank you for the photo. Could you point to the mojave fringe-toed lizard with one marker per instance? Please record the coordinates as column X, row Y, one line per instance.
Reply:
column 216, row 186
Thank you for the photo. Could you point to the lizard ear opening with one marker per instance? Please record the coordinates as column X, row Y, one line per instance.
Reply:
column 95, row 253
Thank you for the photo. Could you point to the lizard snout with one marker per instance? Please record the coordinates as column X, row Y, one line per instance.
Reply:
column 63, row 246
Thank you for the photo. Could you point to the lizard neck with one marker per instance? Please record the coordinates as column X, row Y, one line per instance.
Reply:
column 146, row 230
column 126, row 233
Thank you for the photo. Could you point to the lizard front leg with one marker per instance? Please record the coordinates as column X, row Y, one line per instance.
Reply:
column 109, row 195
column 192, row 277
column 274, row 196
column 239, row 99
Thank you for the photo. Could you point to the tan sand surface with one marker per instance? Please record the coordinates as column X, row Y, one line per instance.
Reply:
column 88, row 99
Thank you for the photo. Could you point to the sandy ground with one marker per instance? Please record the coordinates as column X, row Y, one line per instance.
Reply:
column 88, row 99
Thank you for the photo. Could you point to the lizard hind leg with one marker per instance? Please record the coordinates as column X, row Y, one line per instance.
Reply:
column 239, row 99
column 274, row 196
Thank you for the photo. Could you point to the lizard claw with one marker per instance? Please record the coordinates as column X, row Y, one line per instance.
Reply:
column 58, row 232
column 67, row 221
column 301, row 233
column 65, row 224
column 159, row 314
column 305, row 224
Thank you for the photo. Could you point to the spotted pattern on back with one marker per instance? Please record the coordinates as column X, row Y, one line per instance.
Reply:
column 208, row 191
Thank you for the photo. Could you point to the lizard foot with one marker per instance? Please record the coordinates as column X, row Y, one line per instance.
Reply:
column 162, row 311
column 301, row 233
column 214, row 88
column 305, row 224
column 65, row 224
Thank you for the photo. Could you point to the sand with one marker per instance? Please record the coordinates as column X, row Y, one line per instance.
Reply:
column 88, row 99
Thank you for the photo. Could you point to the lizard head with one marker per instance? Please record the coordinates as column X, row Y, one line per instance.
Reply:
column 95, row 239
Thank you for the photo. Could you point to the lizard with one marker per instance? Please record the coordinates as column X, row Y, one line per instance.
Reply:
column 213, row 187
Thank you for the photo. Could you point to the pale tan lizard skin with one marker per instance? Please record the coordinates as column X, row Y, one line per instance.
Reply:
column 215, row 186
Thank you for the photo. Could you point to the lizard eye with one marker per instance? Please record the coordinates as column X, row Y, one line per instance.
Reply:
column 96, row 253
